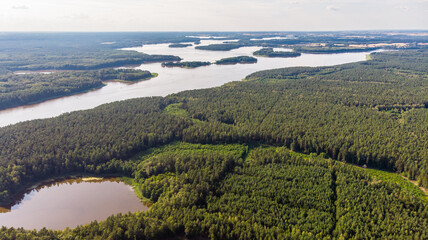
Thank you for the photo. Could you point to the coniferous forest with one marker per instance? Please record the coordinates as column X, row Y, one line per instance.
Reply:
column 22, row 89
column 275, row 156
column 269, row 52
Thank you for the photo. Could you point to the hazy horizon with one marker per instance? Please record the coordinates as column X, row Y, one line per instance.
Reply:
column 212, row 16
column 220, row 31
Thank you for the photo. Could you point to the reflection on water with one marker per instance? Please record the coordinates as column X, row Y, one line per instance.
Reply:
column 173, row 80
column 72, row 202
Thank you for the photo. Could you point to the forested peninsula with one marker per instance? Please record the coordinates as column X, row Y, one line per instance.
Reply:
column 21, row 89
column 274, row 156
column 86, row 61
column 74, row 61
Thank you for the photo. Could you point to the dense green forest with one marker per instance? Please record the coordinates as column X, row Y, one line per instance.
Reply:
column 236, row 60
column 269, row 52
column 337, row 110
column 126, row 75
column 86, row 61
column 216, row 162
column 79, row 51
column 21, row 89
column 193, row 64
column 237, row 191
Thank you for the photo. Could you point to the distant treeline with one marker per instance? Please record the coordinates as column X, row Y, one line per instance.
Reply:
column 88, row 51
column 324, row 50
column 86, row 61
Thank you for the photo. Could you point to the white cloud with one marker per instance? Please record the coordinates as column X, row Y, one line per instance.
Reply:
column 20, row 7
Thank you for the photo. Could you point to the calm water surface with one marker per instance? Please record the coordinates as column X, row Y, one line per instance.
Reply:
column 70, row 203
column 172, row 80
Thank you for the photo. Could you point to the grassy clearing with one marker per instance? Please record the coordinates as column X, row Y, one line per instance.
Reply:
column 396, row 178
column 177, row 110
column 89, row 179
column 178, row 147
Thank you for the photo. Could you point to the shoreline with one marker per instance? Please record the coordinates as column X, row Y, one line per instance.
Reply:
column 103, row 84
column 55, row 97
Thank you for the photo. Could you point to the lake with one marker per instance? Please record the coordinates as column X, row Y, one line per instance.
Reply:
column 70, row 203
column 172, row 80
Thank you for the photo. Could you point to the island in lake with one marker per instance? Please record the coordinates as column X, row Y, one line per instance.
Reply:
column 193, row 64
column 220, row 47
column 125, row 75
column 236, row 60
column 269, row 52
column 179, row 45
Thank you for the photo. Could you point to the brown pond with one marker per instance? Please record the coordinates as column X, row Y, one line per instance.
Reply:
column 70, row 203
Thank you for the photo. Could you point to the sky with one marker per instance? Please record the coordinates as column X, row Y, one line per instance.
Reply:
column 212, row 15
